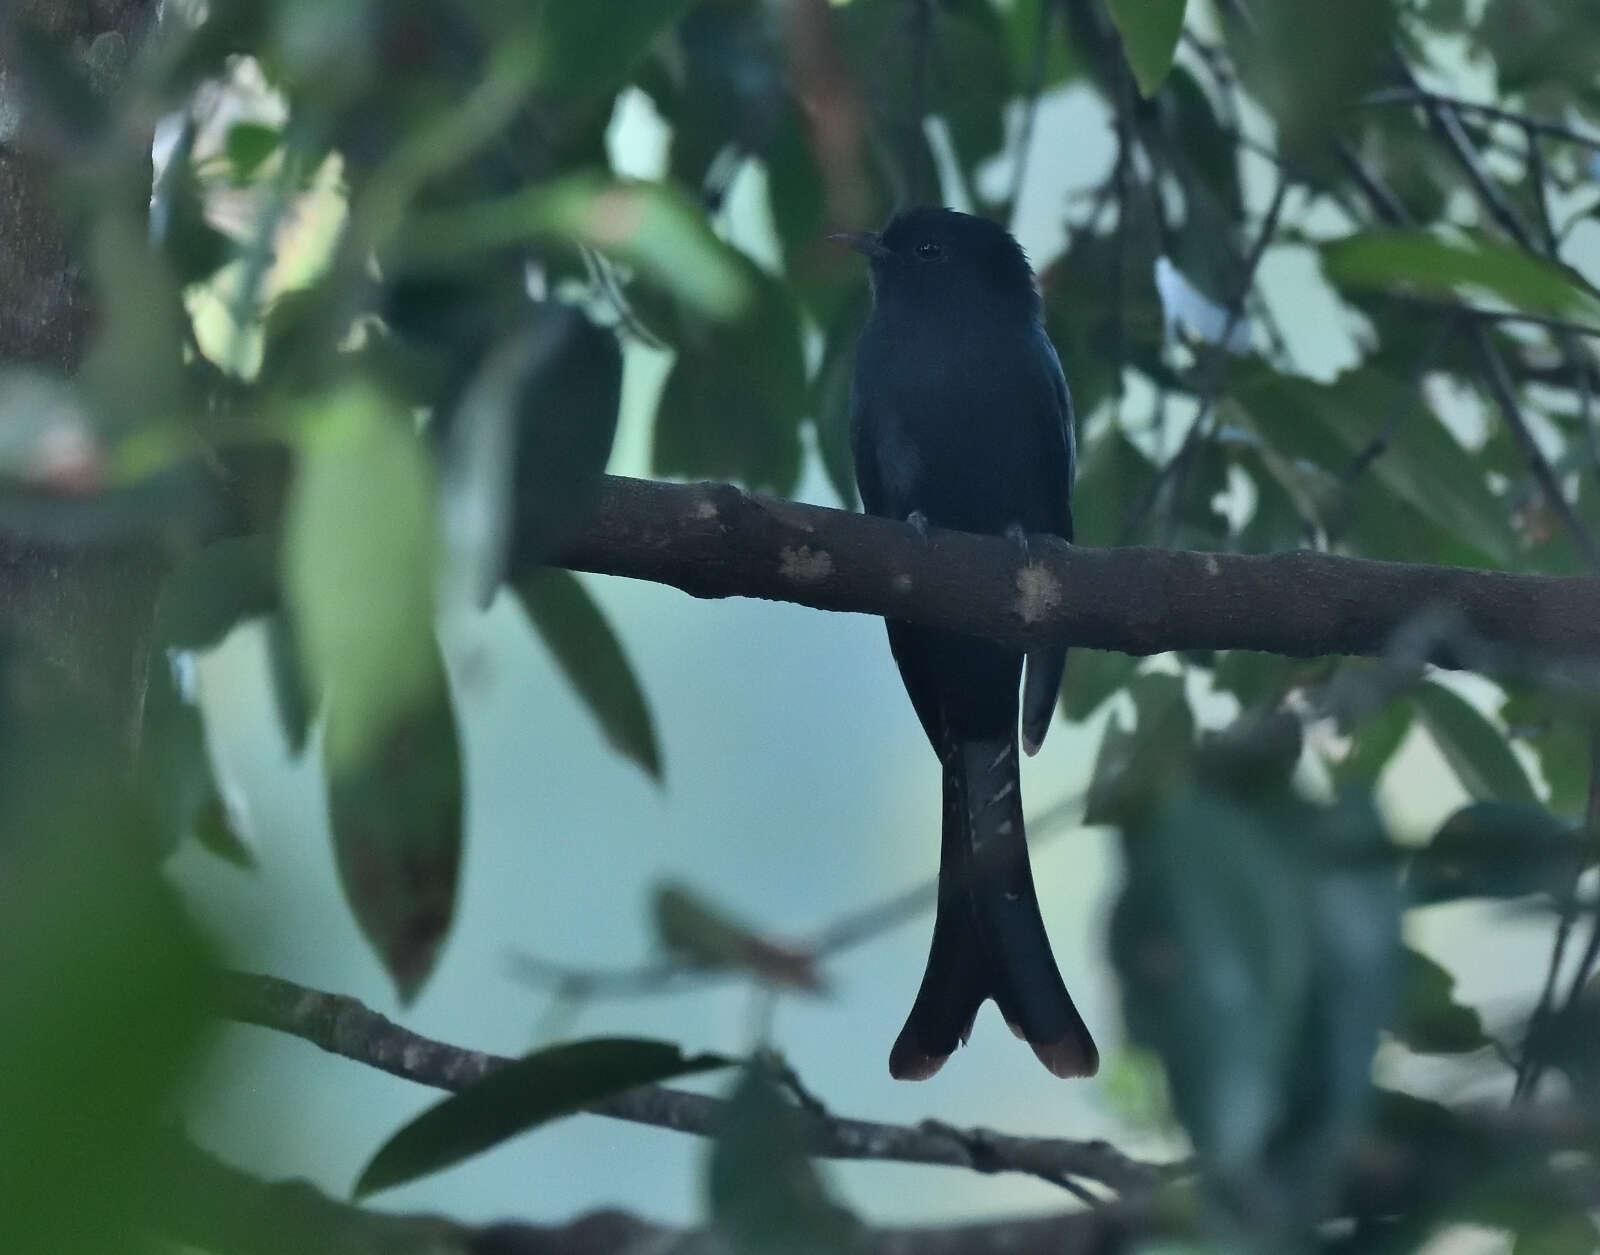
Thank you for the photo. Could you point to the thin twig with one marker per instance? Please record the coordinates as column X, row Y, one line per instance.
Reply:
column 1531, row 1065
column 1417, row 95
column 1030, row 113
column 1171, row 478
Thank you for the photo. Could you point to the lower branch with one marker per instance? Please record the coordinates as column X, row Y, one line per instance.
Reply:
column 344, row 1026
column 713, row 540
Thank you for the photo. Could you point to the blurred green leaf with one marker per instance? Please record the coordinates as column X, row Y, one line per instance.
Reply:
column 134, row 371
column 521, row 1096
column 653, row 228
column 1473, row 746
column 706, row 936
column 1423, row 464
column 217, row 588
column 732, row 405
column 1308, row 63
column 590, row 48
column 766, row 1195
column 830, row 398
column 248, row 146
column 1113, row 478
column 290, row 700
column 1149, row 30
column 1210, row 944
column 575, row 630
column 1092, row 676
column 1375, row 743
column 1559, row 735
column 107, row 984
column 358, row 554
column 1430, row 1021
column 1567, row 1233
column 396, row 814
column 1450, row 269
column 1133, row 767
column 1499, row 850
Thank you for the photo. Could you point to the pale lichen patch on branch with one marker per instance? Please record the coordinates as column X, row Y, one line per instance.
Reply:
column 805, row 565
column 1038, row 594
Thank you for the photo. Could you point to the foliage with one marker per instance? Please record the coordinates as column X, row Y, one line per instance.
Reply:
column 418, row 417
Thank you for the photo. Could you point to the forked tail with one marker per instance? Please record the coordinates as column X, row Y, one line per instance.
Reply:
column 988, row 937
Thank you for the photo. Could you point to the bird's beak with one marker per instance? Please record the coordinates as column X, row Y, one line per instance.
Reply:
column 866, row 243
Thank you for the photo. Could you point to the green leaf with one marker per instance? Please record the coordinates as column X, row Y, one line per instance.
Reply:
column 520, row 1096
column 1475, row 748
column 1092, row 676
column 830, row 399
column 1133, row 766
column 1498, row 850
column 766, row 1196
column 1306, row 64
column 217, row 588
column 396, row 815
column 289, row 697
column 732, row 406
column 1429, row 1019
column 652, row 228
column 587, row 49
column 1113, row 478
column 1375, row 743
column 576, row 632
column 1211, row 946
column 1451, row 269
column 1149, row 30
column 248, row 146
column 1424, row 465
column 707, row 936
column 358, row 566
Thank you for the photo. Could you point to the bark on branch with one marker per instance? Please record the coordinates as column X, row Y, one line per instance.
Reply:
column 713, row 540
column 344, row 1026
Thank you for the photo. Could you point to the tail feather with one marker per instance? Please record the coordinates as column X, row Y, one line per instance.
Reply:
column 989, row 940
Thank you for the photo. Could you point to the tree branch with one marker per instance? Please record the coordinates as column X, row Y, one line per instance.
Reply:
column 344, row 1026
column 713, row 540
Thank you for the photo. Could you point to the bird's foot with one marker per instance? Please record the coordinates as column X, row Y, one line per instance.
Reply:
column 919, row 523
column 1018, row 537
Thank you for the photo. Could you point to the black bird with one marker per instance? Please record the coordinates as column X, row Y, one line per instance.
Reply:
column 960, row 418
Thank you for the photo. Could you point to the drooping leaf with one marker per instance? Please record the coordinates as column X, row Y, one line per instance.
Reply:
column 1308, row 63
column 1375, row 743
column 1475, row 749
column 217, row 588
column 291, row 702
column 732, row 405
column 1450, row 269
column 652, row 228
column 1429, row 1020
column 1114, row 478
column 707, row 936
column 358, row 568
column 1091, row 677
column 830, row 399
column 587, row 49
column 1423, row 464
column 576, row 632
column 1499, row 850
column 766, row 1196
column 1149, row 30
column 1133, row 766
column 396, row 814
column 521, row 1096
column 1210, row 944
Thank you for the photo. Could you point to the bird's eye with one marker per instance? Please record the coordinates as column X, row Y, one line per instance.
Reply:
column 928, row 250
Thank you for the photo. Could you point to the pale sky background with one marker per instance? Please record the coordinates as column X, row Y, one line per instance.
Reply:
column 798, row 787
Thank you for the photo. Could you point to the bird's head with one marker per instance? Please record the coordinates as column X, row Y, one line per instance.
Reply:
column 940, row 255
